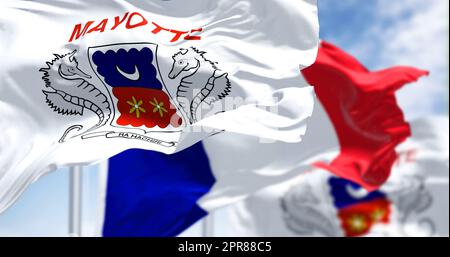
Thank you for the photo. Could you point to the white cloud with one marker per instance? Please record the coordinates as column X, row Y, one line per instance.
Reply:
column 415, row 33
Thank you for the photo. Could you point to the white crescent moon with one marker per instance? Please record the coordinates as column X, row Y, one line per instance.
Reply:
column 356, row 193
column 131, row 76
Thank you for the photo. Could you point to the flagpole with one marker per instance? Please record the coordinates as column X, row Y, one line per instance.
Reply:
column 208, row 225
column 75, row 200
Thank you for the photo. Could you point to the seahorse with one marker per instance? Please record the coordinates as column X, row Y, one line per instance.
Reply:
column 304, row 212
column 411, row 198
column 69, row 93
column 202, row 81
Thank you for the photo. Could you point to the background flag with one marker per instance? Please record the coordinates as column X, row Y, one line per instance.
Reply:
column 153, row 194
column 413, row 202
column 242, row 165
column 364, row 112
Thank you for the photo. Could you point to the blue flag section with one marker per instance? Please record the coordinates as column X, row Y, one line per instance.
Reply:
column 347, row 193
column 153, row 194
column 131, row 68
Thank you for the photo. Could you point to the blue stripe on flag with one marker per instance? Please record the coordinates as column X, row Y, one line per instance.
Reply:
column 342, row 197
column 153, row 194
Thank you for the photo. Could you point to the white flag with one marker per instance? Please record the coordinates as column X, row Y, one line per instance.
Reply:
column 354, row 129
column 84, row 80
column 414, row 201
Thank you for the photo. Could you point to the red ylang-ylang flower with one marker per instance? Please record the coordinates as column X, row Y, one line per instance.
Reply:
column 358, row 219
column 145, row 107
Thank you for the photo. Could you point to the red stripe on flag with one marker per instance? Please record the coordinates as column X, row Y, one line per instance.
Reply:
column 364, row 111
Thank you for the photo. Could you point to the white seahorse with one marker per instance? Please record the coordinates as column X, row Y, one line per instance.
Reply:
column 202, row 81
column 68, row 92
column 304, row 212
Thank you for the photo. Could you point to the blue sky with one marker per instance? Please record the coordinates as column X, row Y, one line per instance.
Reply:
column 384, row 33
column 380, row 33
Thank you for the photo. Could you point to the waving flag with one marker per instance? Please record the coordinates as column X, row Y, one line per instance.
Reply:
column 363, row 110
column 82, row 81
column 241, row 165
column 413, row 202
column 153, row 194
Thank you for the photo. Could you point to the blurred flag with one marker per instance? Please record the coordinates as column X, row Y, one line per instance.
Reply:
column 82, row 81
column 363, row 110
column 413, row 202
column 357, row 104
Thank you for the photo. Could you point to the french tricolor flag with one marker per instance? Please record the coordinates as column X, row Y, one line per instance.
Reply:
column 153, row 194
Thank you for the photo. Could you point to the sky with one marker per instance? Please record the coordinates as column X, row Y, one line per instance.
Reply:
column 380, row 33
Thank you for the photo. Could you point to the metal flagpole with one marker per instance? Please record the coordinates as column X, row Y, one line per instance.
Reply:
column 75, row 200
column 208, row 225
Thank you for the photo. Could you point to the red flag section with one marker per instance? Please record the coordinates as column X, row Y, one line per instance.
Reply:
column 358, row 219
column 145, row 107
column 363, row 109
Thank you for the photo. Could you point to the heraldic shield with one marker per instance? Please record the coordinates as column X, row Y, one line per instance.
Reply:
column 127, row 97
column 131, row 76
